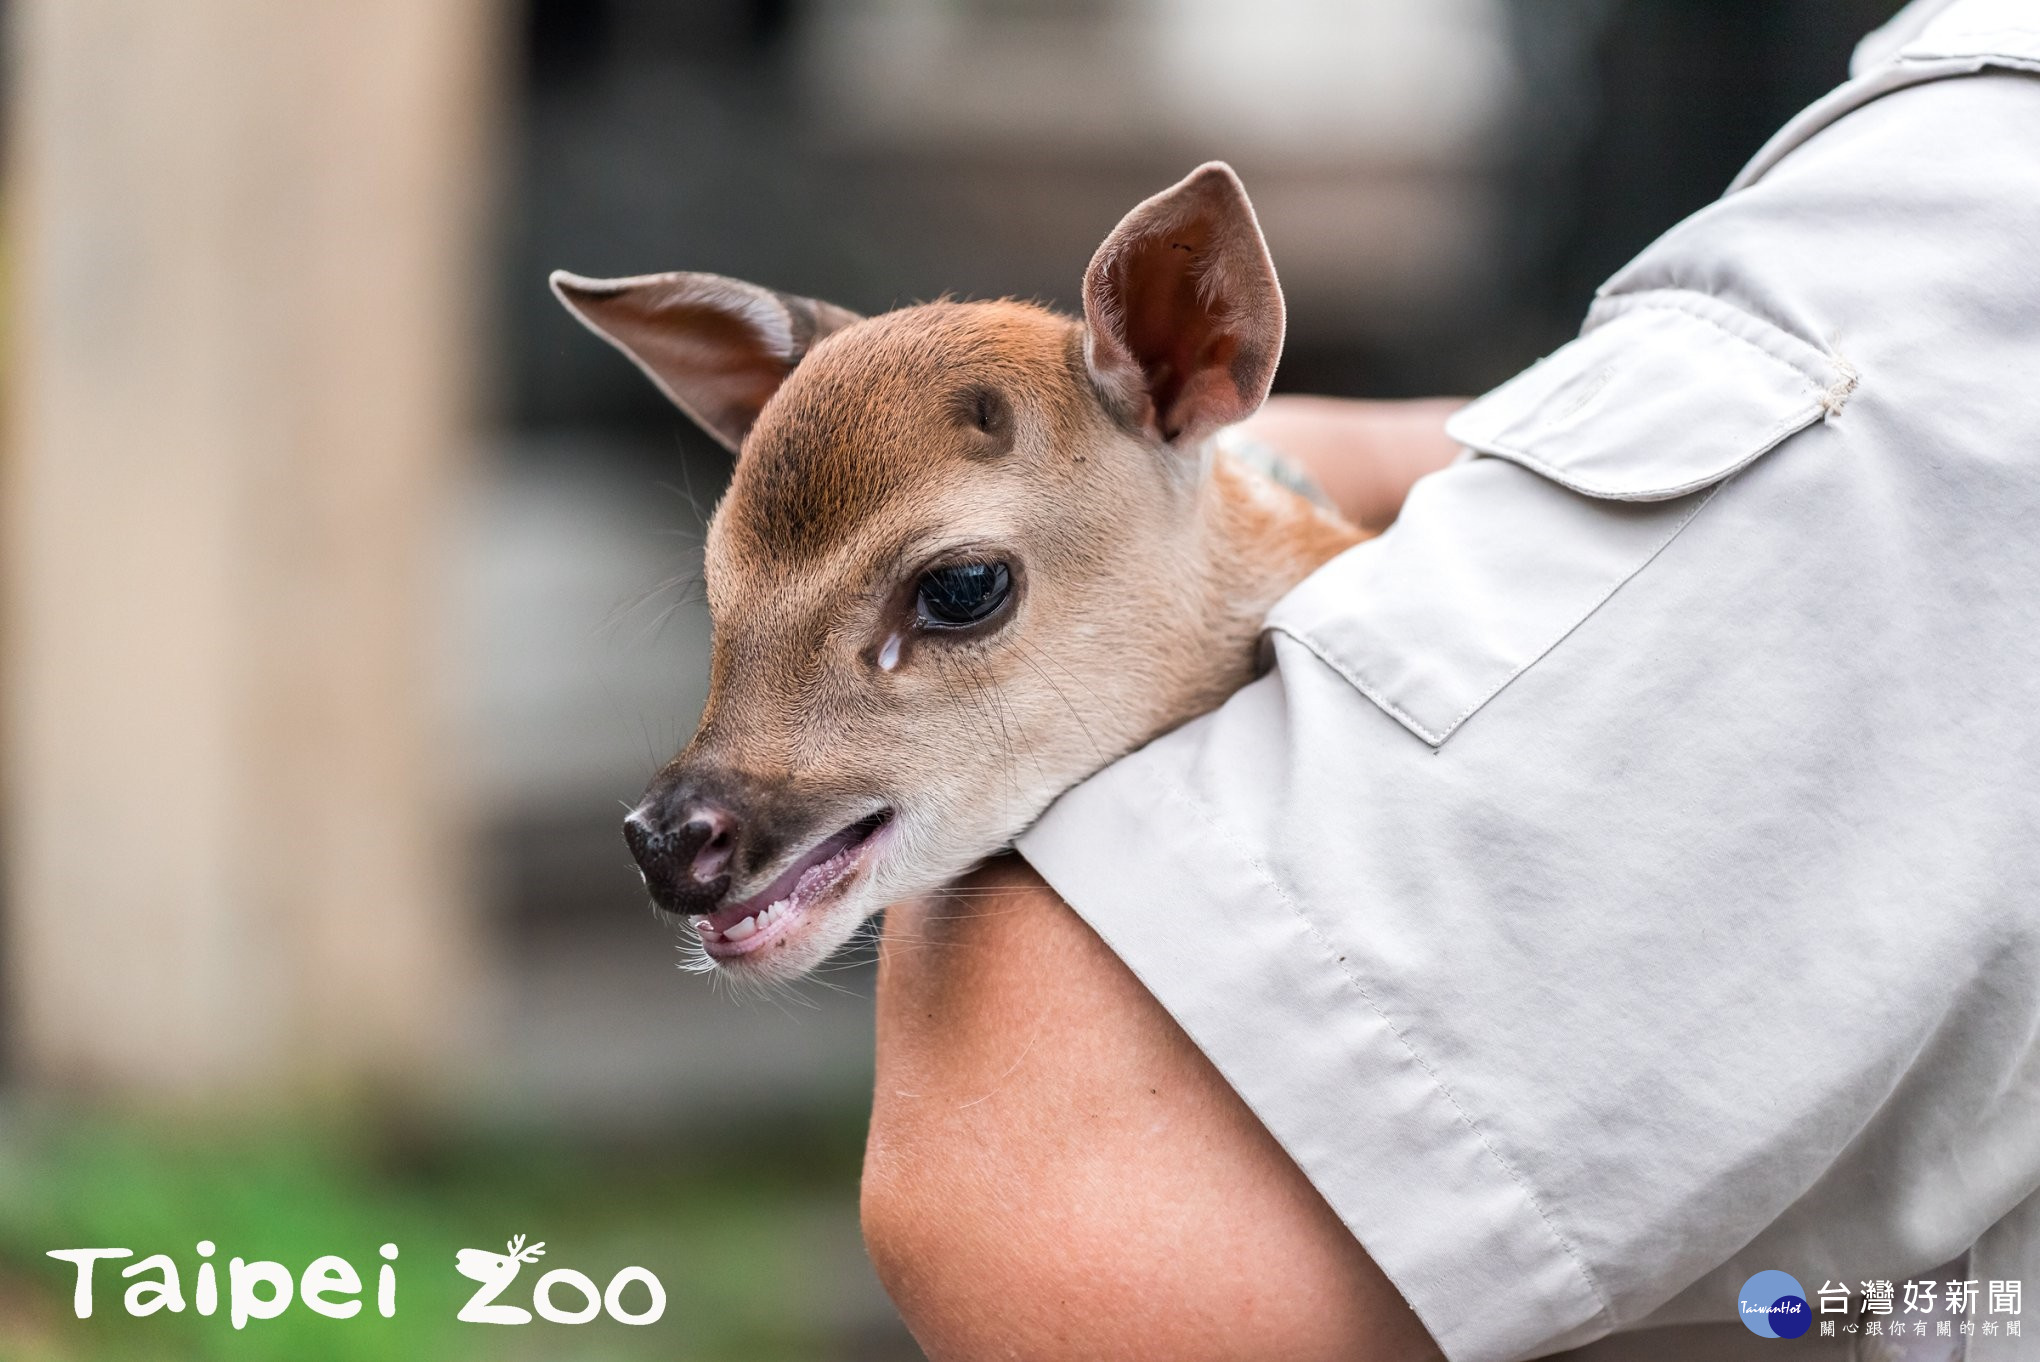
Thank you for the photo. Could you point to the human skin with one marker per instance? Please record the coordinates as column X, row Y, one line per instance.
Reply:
column 1054, row 1170
column 1364, row 455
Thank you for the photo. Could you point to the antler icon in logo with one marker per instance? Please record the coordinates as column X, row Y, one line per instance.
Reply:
column 495, row 1271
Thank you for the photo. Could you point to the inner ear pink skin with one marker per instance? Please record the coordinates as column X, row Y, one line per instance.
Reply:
column 1185, row 314
column 1173, row 331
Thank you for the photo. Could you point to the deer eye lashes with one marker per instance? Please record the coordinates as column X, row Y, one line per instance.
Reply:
column 961, row 594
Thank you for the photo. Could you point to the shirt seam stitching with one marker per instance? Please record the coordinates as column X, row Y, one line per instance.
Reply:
column 1437, row 740
column 1261, row 872
column 1656, row 300
column 1360, row 683
column 1588, row 613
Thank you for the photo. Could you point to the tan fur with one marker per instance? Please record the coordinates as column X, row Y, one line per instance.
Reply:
column 1144, row 590
column 1144, row 561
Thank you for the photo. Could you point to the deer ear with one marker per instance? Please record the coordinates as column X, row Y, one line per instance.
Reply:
column 718, row 347
column 1182, row 311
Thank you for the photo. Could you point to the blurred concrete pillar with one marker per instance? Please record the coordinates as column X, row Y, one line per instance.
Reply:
column 242, row 262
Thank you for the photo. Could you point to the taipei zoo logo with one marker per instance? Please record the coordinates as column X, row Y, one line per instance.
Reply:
column 331, row 1286
column 1773, row 1305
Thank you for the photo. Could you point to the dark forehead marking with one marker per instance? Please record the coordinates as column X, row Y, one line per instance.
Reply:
column 868, row 415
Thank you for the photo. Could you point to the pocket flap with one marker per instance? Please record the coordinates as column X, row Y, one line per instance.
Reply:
column 1670, row 392
column 1602, row 454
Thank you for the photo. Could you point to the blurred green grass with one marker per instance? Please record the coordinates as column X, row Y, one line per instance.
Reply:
column 751, row 1229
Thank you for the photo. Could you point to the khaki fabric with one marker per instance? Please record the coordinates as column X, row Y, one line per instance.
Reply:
column 1627, row 880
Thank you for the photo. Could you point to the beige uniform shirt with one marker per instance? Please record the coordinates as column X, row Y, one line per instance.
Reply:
column 1628, row 881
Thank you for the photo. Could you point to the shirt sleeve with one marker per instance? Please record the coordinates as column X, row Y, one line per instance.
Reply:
column 1625, row 881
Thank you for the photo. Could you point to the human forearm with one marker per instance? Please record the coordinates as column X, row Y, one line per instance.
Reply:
column 1365, row 455
column 1055, row 1171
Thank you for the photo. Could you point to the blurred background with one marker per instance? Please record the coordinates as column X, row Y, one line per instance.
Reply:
column 348, row 584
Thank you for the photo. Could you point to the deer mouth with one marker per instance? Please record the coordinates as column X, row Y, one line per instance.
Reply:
column 816, row 876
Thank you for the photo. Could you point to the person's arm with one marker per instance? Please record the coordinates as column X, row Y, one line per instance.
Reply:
column 1055, row 1171
column 1364, row 455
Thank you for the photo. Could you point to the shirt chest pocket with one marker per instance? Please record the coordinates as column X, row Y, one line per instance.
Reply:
column 1585, row 468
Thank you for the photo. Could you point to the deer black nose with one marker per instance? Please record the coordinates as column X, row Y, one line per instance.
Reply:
column 683, row 847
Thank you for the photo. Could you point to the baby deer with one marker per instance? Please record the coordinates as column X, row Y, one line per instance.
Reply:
column 970, row 553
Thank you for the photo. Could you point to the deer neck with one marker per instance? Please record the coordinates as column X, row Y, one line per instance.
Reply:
column 1259, row 540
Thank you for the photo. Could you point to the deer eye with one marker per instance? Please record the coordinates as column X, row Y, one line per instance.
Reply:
column 962, row 594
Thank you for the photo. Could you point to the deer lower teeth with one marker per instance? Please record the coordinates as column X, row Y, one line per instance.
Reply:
column 756, row 922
